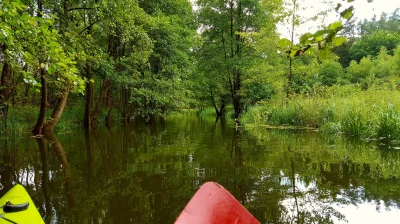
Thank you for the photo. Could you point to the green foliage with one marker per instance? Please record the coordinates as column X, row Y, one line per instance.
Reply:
column 389, row 23
column 396, row 62
column 330, row 71
column 256, row 91
column 358, row 72
column 230, row 50
column 383, row 64
column 370, row 45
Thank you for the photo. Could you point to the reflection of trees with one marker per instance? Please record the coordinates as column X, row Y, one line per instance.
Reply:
column 6, row 167
column 145, row 174
column 62, row 159
column 310, row 204
column 45, row 179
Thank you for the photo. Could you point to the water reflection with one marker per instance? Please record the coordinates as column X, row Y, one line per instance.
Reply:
column 147, row 173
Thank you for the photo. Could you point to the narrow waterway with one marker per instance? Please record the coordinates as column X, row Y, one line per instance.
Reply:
column 147, row 173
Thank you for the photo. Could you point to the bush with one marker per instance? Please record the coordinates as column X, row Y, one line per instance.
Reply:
column 330, row 72
column 358, row 72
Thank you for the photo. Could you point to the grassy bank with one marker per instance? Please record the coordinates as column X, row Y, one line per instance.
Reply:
column 22, row 119
column 370, row 114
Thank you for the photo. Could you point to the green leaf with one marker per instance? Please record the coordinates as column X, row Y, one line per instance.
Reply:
column 347, row 13
column 52, row 69
column 324, row 53
column 339, row 41
column 338, row 7
column 335, row 25
column 284, row 43
column 306, row 38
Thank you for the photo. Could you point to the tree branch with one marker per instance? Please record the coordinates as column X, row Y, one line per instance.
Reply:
column 88, row 27
column 81, row 8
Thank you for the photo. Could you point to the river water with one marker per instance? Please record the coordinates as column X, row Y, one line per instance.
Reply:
column 147, row 173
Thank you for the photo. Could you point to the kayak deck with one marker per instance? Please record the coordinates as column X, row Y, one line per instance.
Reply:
column 18, row 195
column 213, row 204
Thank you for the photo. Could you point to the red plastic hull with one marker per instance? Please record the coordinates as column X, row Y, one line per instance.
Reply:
column 213, row 204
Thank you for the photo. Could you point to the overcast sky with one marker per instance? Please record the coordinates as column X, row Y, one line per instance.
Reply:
column 363, row 10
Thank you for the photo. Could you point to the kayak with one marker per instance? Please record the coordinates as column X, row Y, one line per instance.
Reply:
column 17, row 207
column 213, row 204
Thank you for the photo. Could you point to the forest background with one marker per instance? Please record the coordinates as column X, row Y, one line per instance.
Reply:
column 101, row 62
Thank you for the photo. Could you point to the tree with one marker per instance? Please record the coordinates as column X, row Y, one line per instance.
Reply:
column 330, row 71
column 370, row 45
column 226, row 27
column 385, row 22
column 31, row 48
column 163, row 84
column 319, row 43
column 55, row 67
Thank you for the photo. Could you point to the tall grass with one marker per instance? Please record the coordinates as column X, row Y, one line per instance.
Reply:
column 288, row 115
column 389, row 124
column 370, row 114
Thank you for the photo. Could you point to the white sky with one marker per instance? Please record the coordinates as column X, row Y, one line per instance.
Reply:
column 363, row 10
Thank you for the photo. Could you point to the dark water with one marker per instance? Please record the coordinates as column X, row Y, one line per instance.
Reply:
column 146, row 174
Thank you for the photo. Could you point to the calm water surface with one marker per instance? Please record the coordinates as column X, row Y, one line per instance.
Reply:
column 147, row 174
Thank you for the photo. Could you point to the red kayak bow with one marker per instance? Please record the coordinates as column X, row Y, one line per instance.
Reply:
column 214, row 204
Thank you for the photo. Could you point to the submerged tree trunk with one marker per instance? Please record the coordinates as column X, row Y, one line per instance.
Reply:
column 37, row 130
column 58, row 110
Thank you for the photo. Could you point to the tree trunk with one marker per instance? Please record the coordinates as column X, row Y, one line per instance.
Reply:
column 110, row 104
column 87, row 121
column 222, row 109
column 126, row 109
column 58, row 110
column 100, row 101
column 237, row 102
column 37, row 130
column 5, row 89
column 290, row 77
column 217, row 112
